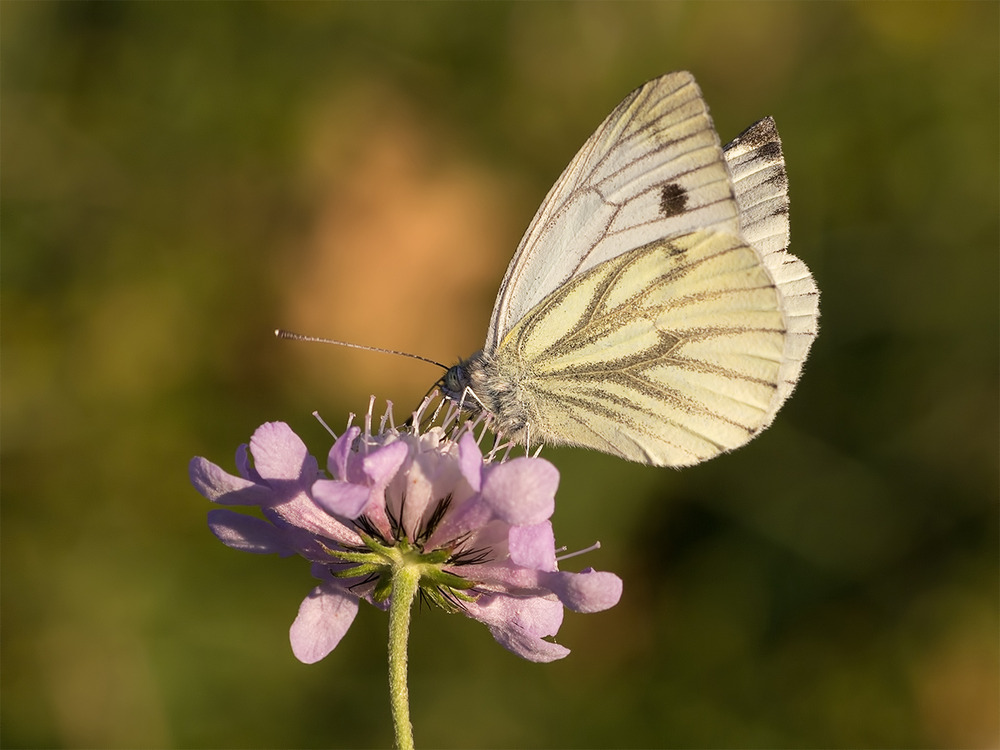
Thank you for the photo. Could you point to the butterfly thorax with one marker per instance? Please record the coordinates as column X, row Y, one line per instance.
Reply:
column 478, row 385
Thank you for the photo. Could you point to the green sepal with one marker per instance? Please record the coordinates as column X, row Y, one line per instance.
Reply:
column 383, row 588
column 436, row 557
column 359, row 571
column 377, row 547
column 352, row 557
column 436, row 597
column 438, row 577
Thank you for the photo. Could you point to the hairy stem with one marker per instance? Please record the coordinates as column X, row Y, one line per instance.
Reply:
column 405, row 581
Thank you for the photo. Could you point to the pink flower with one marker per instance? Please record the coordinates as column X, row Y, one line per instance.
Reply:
column 478, row 531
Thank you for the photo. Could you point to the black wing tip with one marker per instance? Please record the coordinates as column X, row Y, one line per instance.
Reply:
column 762, row 137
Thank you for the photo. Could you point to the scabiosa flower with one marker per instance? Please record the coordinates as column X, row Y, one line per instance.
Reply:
column 473, row 535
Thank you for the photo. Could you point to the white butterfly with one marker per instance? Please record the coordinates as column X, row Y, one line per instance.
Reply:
column 652, row 310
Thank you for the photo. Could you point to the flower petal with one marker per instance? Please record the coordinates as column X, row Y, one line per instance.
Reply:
column 336, row 461
column 521, row 491
column 247, row 533
column 245, row 466
column 222, row 487
column 520, row 625
column 324, row 617
column 341, row 499
column 533, row 546
column 304, row 515
column 527, row 646
column 587, row 591
column 470, row 461
column 279, row 453
column 382, row 464
column 470, row 518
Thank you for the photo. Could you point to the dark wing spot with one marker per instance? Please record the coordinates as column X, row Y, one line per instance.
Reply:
column 673, row 199
column 770, row 150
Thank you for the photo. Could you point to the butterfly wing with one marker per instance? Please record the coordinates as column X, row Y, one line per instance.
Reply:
column 757, row 167
column 653, row 169
column 667, row 355
column 652, row 310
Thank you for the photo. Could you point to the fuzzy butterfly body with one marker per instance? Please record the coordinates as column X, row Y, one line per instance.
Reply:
column 652, row 310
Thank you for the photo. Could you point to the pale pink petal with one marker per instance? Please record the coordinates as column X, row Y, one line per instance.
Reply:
column 301, row 512
column 470, row 461
column 587, row 591
column 465, row 518
column 526, row 645
column 521, row 625
column 341, row 499
column 504, row 575
column 521, row 491
column 428, row 479
column 381, row 468
column 382, row 464
column 324, row 617
column 245, row 466
column 279, row 453
column 336, row 462
column 533, row 546
column 221, row 487
column 535, row 615
column 247, row 533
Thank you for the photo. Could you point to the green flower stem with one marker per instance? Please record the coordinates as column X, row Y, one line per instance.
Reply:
column 405, row 582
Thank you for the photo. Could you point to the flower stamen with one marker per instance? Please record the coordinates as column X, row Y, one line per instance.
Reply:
column 591, row 548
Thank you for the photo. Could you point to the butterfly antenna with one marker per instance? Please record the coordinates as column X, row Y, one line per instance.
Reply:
column 283, row 334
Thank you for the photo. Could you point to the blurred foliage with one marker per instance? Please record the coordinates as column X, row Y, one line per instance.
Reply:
column 179, row 179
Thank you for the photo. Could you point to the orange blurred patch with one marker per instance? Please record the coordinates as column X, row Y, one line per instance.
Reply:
column 956, row 681
column 406, row 249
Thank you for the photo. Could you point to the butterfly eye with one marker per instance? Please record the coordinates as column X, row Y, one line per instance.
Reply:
column 455, row 380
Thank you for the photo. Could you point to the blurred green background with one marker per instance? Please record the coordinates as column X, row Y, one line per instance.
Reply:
column 179, row 179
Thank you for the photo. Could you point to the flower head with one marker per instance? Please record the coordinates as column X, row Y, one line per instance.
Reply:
column 477, row 531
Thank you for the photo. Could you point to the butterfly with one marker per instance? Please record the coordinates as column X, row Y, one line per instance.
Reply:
column 652, row 310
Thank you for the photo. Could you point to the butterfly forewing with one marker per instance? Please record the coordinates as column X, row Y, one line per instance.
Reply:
column 757, row 166
column 653, row 169
column 677, row 345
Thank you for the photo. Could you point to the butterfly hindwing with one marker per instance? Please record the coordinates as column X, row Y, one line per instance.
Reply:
column 668, row 355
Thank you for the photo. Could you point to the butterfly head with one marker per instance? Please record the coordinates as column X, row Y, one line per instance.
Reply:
column 454, row 382
column 460, row 384
column 479, row 385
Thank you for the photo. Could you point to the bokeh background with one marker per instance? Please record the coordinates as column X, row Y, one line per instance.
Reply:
column 179, row 179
